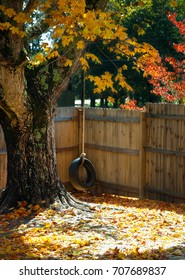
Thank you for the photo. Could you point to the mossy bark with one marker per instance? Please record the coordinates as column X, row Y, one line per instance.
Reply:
column 27, row 121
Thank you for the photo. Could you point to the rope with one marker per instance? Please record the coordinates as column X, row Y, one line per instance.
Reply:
column 83, row 154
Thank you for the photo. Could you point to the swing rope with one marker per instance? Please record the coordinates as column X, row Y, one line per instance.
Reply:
column 82, row 160
column 83, row 154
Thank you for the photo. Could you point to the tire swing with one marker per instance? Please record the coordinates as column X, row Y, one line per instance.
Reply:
column 74, row 174
column 82, row 161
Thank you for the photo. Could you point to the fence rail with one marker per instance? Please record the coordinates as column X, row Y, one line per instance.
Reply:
column 141, row 154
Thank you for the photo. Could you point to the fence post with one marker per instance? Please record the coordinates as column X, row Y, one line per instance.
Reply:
column 80, row 128
column 142, row 155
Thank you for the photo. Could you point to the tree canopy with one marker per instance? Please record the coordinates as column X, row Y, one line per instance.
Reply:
column 70, row 26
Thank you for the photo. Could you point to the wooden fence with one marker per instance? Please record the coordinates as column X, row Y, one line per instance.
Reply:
column 165, row 151
column 139, row 154
column 113, row 143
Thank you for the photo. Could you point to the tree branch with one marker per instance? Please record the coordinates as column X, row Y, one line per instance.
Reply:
column 65, row 77
column 32, row 4
column 37, row 29
column 96, row 4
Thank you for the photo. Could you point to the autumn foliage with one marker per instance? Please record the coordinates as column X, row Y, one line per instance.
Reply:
column 167, row 76
column 116, row 228
column 72, row 26
column 131, row 105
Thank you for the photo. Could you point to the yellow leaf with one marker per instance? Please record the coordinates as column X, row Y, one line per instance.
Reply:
column 140, row 31
column 124, row 67
column 9, row 12
column 66, row 40
column 53, row 54
column 111, row 99
column 121, row 256
column 173, row 3
column 14, row 30
column 38, row 58
column 47, row 225
column 9, row 249
column 68, row 62
column 36, row 207
column 84, row 63
column 58, row 32
column 54, row 247
column 22, row 34
column 80, row 45
column 21, row 18
column 93, row 57
column 2, row 8
column 4, row 25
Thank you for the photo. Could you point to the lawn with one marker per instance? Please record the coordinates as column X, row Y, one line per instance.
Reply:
column 115, row 228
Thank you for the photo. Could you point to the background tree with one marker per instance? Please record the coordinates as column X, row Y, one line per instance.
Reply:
column 167, row 75
column 148, row 22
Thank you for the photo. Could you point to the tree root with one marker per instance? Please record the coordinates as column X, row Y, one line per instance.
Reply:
column 67, row 200
column 9, row 200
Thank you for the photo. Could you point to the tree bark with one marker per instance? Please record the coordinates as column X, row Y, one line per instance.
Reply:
column 28, row 126
column 32, row 172
column 32, row 168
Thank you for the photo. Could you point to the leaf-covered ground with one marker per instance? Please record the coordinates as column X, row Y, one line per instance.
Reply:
column 119, row 228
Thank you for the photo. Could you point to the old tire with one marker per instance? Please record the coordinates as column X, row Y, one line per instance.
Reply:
column 74, row 174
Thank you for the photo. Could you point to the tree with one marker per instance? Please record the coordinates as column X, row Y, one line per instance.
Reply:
column 147, row 21
column 32, row 79
column 167, row 75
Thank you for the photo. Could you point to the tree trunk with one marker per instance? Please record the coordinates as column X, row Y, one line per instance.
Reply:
column 29, row 134
column 32, row 167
